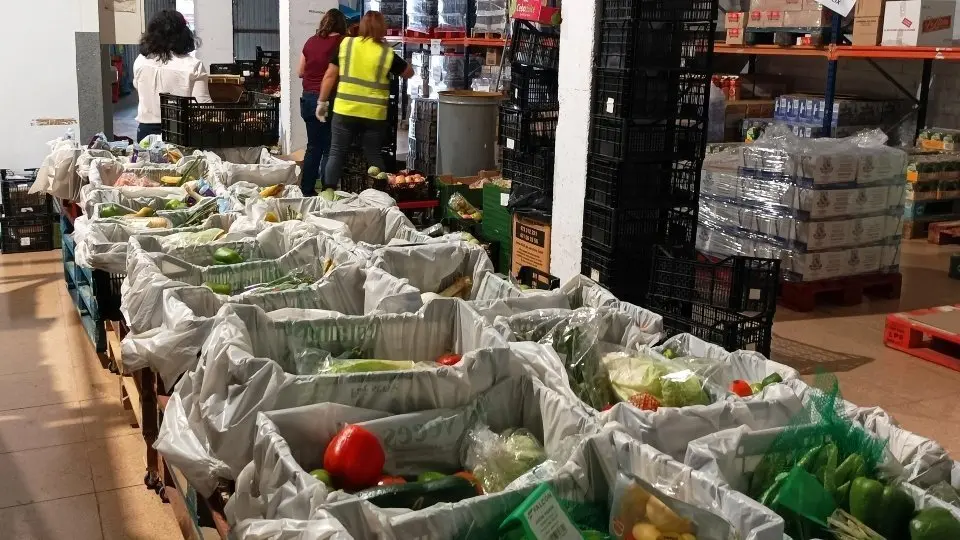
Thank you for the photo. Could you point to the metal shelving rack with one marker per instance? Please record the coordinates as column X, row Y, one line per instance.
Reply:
column 839, row 49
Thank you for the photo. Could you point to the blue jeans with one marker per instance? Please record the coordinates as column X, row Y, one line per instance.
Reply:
column 318, row 144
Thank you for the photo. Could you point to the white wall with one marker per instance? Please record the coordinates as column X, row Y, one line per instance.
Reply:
column 213, row 20
column 298, row 21
column 39, row 44
column 569, row 179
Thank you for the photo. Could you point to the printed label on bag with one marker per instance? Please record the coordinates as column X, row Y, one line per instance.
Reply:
column 510, row 144
column 548, row 521
column 504, row 199
column 24, row 242
column 594, row 274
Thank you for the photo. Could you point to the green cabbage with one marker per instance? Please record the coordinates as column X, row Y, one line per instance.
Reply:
column 683, row 388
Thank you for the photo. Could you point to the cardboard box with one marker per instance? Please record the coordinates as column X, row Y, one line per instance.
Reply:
column 531, row 244
column 924, row 23
column 736, row 36
column 735, row 111
column 794, row 5
column 772, row 18
column 808, row 18
column 736, row 19
column 868, row 22
column 492, row 57
column 755, row 15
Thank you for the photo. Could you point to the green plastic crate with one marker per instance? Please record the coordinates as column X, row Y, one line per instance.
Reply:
column 497, row 220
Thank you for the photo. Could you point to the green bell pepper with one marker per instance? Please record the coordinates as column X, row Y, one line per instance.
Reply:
column 866, row 501
column 897, row 509
column 934, row 524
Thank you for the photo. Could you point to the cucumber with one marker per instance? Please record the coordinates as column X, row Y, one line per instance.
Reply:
column 419, row 495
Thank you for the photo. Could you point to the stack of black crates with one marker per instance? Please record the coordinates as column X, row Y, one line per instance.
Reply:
column 651, row 78
column 528, row 118
column 28, row 220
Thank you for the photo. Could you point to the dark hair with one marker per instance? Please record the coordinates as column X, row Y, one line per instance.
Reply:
column 354, row 30
column 167, row 35
column 334, row 22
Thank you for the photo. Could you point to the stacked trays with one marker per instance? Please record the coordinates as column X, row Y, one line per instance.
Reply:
column 422, row 153
column 28, row 221
column 651, row 78
column 528, row 119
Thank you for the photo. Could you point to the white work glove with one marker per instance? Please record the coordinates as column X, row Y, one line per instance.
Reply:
column 322, row 108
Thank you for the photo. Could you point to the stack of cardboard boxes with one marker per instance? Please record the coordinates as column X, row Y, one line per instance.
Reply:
column 923, row 23
column 788, row 14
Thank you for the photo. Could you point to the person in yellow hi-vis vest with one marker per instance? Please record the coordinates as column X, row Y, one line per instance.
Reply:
column 363, row 66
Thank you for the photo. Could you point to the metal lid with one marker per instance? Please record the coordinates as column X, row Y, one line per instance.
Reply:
column 469, row 97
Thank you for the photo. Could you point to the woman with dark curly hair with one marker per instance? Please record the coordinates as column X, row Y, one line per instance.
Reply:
column 165, row 65
column 313, row 66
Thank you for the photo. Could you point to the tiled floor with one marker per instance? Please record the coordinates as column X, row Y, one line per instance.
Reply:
column 71, row 463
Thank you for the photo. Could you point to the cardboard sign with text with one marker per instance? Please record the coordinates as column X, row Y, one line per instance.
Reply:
column 531, row 244
column 843, row 7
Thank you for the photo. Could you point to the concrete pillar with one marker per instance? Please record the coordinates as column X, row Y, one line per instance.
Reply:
column 213, row 20
column 577, row 38
column 299, row 20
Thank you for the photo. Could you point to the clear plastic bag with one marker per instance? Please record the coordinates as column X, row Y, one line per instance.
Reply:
column 648, row 382
column 459, row 204
column 498, row 459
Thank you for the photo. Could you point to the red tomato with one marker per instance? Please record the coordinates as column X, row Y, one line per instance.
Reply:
column 741, row 388
column 354, row 458
column 472, row 479
column 391, row 480
column 449, row 359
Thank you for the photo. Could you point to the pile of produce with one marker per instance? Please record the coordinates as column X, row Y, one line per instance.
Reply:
column 649, row 384
column 459, row 204
column 292, row 280
column 354, row 460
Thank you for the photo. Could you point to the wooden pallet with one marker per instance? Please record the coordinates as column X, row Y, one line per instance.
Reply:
column 929, row 334
column 449, row 34
column 944, row 232
column 846, row 291
column 488, row 35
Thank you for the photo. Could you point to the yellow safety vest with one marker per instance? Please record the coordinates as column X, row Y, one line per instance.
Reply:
column 364, row 87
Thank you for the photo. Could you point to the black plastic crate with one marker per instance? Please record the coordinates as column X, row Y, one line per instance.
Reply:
column 625, row 272
column 731, row 330
column 528, row 130
column 650, row 94
column 16, row 199
column 631, row 140
column 533, row 47
column 24, row 234
column 106, row 289
column 626, row 185
column 654, row 45
column 741, row 284
column 532, row 87
column 659, row 10
column 614, row 228
column 533, row 169
column 252, row 121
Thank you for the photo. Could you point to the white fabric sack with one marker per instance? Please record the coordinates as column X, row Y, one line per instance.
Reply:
column 92, row 198
column 241, row 373
column 370, row 224
column 102, row 244
column 172, row 348
column 149, row 274
column 261, row 174
column 290, row 443
column 670, row 429
column 106, row 171
column 726, row 456
column 58, row 172
column 434, row 267
column 86, row 159
column 290, row 529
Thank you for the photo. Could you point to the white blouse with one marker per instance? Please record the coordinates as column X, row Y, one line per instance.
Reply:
column 181, row 76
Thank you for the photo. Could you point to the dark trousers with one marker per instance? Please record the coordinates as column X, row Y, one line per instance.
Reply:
column 144, row 130
column 347, row 129
column 318, row 144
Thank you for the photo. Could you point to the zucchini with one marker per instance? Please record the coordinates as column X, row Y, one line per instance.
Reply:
column 419, row 495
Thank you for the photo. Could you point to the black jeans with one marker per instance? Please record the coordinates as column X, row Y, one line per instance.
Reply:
column 318, row 144
column 143, row 130
column 347, row 129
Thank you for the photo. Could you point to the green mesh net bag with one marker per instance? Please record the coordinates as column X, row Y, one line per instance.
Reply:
column 807, row 470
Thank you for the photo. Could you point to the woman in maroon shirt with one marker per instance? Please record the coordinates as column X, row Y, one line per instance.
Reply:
column 313, row 64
